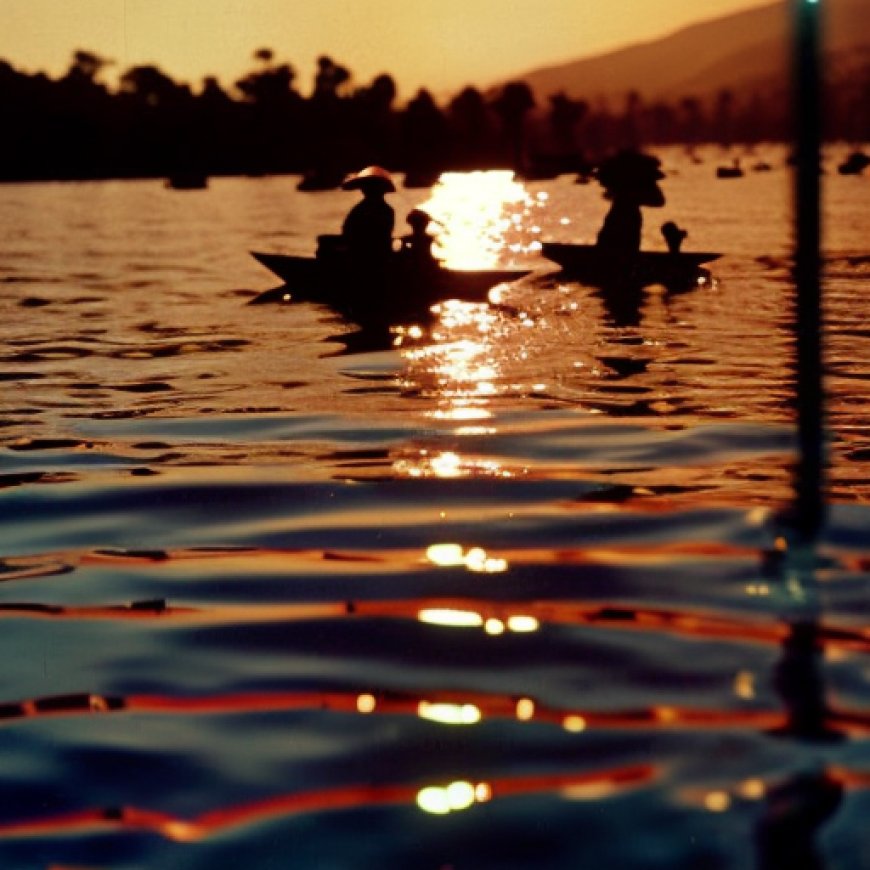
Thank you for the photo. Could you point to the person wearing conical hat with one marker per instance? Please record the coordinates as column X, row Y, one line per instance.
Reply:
column 630, row 180
column 367, row 230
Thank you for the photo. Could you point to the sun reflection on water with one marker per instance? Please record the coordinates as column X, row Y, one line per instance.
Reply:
column 447, row 465
column 475, row 559
column 461, row 362
column 458, row 795
column 449, row 714
column 484, row 219
column 461, row 372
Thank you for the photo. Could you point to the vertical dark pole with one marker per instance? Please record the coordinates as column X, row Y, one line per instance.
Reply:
column 806, row 112
column 786, row 832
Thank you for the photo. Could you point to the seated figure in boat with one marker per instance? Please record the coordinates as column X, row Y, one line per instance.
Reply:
column 673, row 236
column 630, row 180
column 367, row 231
column 417, row 245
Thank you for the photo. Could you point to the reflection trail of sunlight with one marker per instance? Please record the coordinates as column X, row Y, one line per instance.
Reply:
column 449, row 708
column 464, row 363
column 475, row 559
column 449, row 714
column 457, row 795
column 440, row 800
column 447, row 464
column 485, row 217
column 462, row 371
column 517, row 616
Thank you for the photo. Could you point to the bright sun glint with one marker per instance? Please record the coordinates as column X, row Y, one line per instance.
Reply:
column 483, row 217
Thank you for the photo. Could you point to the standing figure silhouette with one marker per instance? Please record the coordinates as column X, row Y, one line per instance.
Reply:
column 630, row 180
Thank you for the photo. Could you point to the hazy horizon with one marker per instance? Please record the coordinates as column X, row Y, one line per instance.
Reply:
column 427, row 44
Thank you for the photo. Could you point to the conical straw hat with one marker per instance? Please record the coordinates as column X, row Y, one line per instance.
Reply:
column 371, row 176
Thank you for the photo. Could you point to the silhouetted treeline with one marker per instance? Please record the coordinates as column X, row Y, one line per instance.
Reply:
column 75, row 126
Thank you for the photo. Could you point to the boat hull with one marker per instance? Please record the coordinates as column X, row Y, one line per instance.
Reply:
column 600, row 267
column 390, row 290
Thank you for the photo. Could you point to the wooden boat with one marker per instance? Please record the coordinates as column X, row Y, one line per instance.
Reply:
column 854, row 164
column 732, row 171
column 385, row 292
column 600, row 267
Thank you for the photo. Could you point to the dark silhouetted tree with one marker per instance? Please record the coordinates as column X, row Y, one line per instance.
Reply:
column 220, row 133
column 328, row 121
column 470, row 130
column 565, row 116
column 273, row 115
column 632, row 120
column 425, row 142
column 150, row 86
column 512, row 106
column 87, row 65
column 663, row 123
column 82, row 108
column 159, row 122
column 375, row 123
column 693, row 121
column 723, row 117
column 76, row 126
column 329, row 79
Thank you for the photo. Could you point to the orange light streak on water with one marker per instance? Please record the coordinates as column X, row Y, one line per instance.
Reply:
column 610, row 781
column 455, row 613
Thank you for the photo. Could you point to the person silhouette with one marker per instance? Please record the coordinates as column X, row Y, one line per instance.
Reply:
column 630, row 180
column 674, row 236
column 367, row 231
column 417, row 245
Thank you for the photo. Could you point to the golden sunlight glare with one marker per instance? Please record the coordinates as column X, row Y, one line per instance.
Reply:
column 484, row 217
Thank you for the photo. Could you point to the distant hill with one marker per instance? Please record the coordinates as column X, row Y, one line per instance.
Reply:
column 745, row 51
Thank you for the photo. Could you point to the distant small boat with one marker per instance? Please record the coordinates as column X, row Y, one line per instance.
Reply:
column 187, row 181
column 854, row 164
column 733, row 171
column 389, row 292
column 604, row 268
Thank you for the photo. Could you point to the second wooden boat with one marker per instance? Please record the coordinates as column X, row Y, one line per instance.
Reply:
column 602, row 267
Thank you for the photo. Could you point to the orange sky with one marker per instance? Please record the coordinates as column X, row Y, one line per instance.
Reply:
column 441, row 44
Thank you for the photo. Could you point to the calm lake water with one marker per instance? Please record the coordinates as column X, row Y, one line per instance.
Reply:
column 512, row 592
